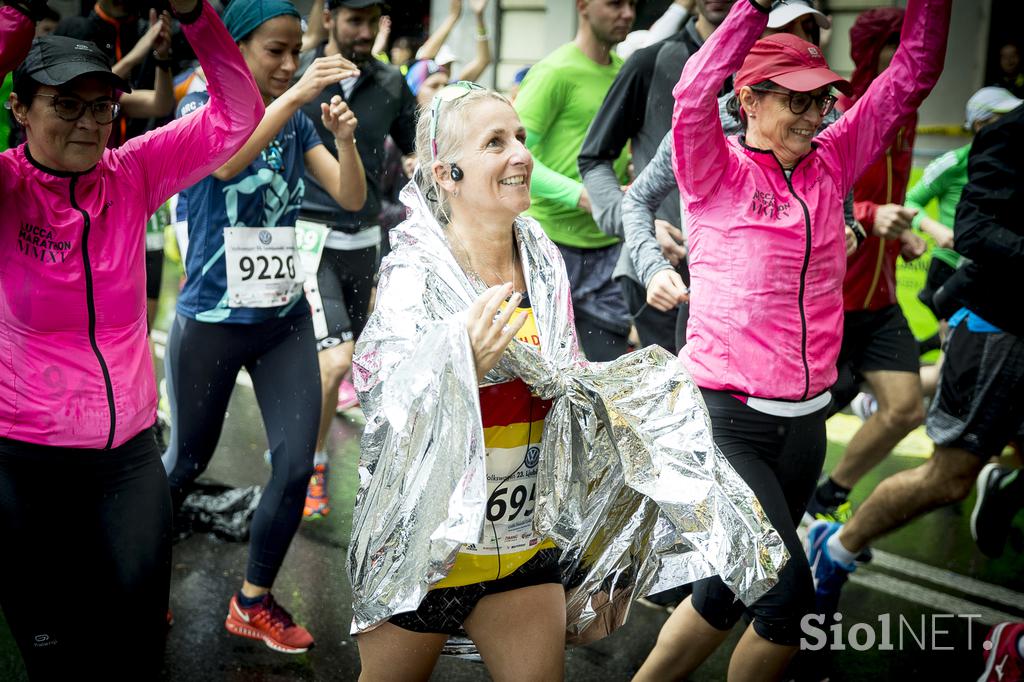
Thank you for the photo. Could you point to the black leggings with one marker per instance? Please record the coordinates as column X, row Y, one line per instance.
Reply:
column 201, row 365
column 780, row 458
column 87, row 555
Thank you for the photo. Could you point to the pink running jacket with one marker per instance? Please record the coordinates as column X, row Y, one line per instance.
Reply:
column 767, row 252
column 75, row 367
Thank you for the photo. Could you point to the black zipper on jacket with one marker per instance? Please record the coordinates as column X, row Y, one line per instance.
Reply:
column 803, row 274
column 91, row 304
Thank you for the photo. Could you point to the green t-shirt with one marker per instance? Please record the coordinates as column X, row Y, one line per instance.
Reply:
column 943, row 180
column 5, row 116
column 557, row 102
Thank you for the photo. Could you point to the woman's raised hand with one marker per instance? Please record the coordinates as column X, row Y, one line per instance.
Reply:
column 490, row 328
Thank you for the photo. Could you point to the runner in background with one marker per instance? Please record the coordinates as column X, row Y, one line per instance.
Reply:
column 878, row 346
column 637, row 112
column 977, row 408
column 242, row 304
column 557, row 102
column 381, row 101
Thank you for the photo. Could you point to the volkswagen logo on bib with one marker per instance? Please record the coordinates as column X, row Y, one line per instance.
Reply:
column 265, row 238
column 532, row 456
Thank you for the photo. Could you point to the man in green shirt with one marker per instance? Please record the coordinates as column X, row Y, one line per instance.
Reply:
column 557, row 102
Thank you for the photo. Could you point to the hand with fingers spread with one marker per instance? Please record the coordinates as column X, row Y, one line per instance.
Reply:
column 670, row 239
column 667, row 290
column 321, row 73
column 490, row 328
column 339, row 119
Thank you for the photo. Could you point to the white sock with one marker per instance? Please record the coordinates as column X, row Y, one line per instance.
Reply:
column 838, row 552
column 319, row 458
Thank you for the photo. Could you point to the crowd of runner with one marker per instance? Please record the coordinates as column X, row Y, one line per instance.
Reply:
column 359, row 222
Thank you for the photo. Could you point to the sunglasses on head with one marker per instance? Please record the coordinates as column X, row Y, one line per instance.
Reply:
column 447, row 94
column 799, row 102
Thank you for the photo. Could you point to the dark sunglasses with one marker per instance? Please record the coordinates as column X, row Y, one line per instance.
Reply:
column 799, row 102
column 70, row 108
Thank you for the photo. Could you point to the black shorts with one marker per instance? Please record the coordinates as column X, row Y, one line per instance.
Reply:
column 345, row 281
column 873, row 340
column 444, row 610
column 978, row 406
column 154, row 273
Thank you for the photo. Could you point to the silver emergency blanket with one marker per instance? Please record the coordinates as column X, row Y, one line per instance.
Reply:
column 630, row 485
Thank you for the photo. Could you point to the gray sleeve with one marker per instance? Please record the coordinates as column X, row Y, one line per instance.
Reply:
column 605, row 193
column 638, row 211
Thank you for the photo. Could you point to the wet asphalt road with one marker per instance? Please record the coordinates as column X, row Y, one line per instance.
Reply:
column 313, row 585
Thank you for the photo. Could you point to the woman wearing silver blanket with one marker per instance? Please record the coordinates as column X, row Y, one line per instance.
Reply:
column 467, row 519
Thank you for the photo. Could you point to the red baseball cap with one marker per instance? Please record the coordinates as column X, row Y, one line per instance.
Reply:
column 790, row 62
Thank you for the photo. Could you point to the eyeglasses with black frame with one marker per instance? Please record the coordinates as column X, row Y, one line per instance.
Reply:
column 799, row 102
column 70, row 108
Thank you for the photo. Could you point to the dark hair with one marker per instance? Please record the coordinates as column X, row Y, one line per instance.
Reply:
column 732, row 105
column 51, row 14
column 26, row 88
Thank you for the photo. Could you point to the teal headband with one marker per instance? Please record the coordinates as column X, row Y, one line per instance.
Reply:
column 242, row 17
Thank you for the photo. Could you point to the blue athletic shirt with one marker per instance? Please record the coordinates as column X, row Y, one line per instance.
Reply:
column 268, row 193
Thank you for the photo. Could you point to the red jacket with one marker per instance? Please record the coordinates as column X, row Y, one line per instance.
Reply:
column 870, row 282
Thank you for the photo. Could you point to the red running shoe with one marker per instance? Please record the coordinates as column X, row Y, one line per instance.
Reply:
column 318, row 504
column 269, row 622
column 1003, row 660
column 347, row 398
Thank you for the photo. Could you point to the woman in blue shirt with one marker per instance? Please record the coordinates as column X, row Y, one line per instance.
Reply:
column 243, row 305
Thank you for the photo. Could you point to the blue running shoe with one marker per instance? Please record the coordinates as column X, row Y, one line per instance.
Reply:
column 829, row 574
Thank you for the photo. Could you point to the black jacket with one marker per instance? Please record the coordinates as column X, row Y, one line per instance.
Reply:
column 384, row 105
column 989, row 228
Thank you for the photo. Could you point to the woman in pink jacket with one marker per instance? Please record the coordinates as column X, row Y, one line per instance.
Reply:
column 767, row 260
column 85, row 509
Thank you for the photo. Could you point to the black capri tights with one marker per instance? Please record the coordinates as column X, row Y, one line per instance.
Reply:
column 780, row 458
column 87, row 558
column 201, row 365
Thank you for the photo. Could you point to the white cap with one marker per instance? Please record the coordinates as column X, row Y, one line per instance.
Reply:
column 445, row 56
column 784, row 12
column 988, row 101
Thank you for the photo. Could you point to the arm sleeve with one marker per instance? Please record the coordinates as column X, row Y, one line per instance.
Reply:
column 991, row 201
column 541, row 98
column 852, row 143
column 669, row 23
column 16, row 33
column 178, row 155
column 638, row 212
column 701, row 155
column 605, row 192
column 932, row 184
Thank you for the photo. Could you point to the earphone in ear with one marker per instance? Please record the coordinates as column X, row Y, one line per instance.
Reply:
column 457, row 173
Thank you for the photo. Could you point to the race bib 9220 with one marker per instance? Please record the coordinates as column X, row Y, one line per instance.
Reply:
column 263, row 269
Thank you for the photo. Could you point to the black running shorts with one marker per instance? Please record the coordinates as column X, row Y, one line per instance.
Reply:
column 444, row 610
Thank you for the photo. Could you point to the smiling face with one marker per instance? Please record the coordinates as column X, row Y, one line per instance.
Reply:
column 272, row 55
column 69, row 146
column 772, row 125
column 495, row 163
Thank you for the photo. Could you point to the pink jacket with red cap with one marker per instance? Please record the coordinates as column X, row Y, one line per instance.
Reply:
column 75, row 367
column 767, row 254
